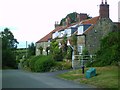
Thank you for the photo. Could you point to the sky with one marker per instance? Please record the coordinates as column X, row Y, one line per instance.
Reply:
column 30, row 20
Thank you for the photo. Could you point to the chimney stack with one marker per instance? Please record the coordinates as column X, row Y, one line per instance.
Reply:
column 56, row 24
column 102, row 2
column 105, row 1
column 81, row 16
column 104, row 10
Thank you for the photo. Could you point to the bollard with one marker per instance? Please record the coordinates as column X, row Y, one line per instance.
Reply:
column 83, row 69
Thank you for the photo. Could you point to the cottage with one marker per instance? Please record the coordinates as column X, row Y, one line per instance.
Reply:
column 89, row 31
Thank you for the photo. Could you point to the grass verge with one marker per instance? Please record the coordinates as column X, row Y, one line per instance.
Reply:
column 107, row 77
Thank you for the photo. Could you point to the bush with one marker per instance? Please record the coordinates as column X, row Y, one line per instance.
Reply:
column 32, row 62
column 108, row 53
column 44, row 64
column 61, row 66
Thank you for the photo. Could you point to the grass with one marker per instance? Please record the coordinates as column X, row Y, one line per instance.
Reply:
column 107, row 77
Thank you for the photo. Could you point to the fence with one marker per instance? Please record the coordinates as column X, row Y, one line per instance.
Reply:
column 80, row 60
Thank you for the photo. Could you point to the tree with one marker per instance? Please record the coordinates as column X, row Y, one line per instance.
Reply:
column 109, row 50
column 55, row 51
column 74, row 44
column 31, row 49
column 9, row 46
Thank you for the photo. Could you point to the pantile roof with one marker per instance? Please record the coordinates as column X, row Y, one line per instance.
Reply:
column 49, row 36
column 59, row 28
column 90, row 21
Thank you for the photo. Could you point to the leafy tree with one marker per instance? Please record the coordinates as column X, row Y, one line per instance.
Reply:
column 72, row 17
column 64, row 46
column 31, row 49
column 9, row 46
column 56, row 51
column 69, row 53
column 109, row 50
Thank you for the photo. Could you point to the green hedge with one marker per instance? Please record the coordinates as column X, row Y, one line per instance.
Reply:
column 44, row 64
column 41, row 63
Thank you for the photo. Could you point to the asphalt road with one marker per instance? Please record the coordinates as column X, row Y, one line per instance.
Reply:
column 23, row 79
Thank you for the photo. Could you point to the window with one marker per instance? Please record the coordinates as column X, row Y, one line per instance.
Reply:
column 68, row 32
column 54, row 35
column 80, row 49
column 80, row 30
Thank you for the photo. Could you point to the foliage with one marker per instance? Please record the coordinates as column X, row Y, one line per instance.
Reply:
column 44, row 64
column 63, row 65
column 72, row 17
column 74, row 44
column 9, row 46
column 64, row 46
column 39, row 63
column 69, row 53
column 20, row 53
column 55, row 51
column 41, row 50
column 108, row 53
column 32, row 62
column 31, row 49
column 85, row 51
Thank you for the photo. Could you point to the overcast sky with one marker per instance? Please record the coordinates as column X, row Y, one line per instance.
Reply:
column 30, row 20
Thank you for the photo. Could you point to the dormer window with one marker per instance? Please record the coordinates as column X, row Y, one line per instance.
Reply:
column 80, row 30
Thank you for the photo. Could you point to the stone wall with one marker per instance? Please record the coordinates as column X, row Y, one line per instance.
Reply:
column 44, row 45
column 93, row 37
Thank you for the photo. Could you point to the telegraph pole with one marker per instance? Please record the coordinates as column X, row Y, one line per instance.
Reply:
column 26, row 49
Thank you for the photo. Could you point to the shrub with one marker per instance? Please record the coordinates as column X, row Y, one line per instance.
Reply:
column 43, row 64
column 108, row 53
column 32, row 62
column 61, row 66
column 55, row 51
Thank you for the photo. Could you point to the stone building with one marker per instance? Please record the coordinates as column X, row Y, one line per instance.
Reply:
column 95, row 33
column 83, row 27
column 89, row 31
column 44, row 43
column 99, row 27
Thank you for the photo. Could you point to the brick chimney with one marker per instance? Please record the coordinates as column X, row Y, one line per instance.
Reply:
column 56, row 24
column 104, row 10
column 81, row 16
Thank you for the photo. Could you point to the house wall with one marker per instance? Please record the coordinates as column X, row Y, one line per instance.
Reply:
column 44, row 45
column 93, row 37
column 80, row 43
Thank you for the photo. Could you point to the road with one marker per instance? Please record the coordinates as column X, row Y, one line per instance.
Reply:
column 24, row 79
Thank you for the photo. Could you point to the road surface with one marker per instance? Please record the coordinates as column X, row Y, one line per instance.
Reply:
column 24, row 79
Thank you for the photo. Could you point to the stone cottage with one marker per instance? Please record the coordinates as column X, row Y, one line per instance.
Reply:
column 99, row 27
column 59, row 32
column 89, row 31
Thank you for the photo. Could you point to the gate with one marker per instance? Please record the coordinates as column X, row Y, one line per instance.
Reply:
column 80, row 60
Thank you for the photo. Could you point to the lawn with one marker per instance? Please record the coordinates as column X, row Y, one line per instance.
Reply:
column 107, row 77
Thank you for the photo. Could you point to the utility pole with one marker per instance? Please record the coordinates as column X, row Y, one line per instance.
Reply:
column 26, row 49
